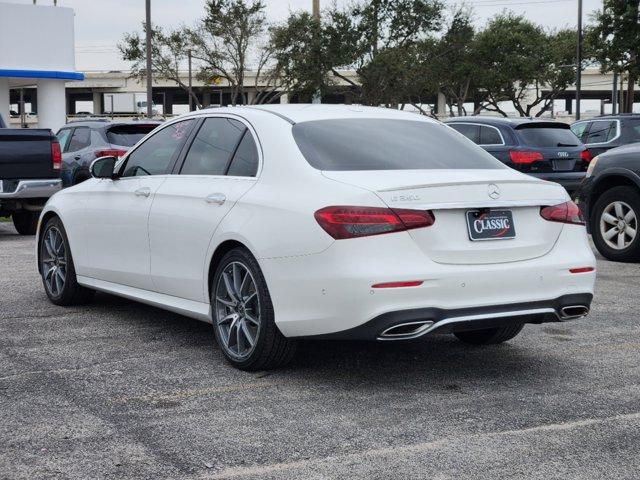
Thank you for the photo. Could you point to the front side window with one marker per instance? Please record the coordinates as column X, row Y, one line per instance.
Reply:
column 468, row 130
column 387, row 144
column 213, row 147
column 155, row 154
column 80, row 139
column 602, row 131
column 63, row 137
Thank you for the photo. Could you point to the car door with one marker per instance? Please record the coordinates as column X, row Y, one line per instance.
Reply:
column 602, row 136
column 78, row 144
column 216, row 169
column 116, row 220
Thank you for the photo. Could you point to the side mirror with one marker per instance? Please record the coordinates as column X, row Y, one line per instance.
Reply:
column 103, row 167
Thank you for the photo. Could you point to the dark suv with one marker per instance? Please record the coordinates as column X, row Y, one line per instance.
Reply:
column 84, row 141
column 543, row 149
column 610, row 131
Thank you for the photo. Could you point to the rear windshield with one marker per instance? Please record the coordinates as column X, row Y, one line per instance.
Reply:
column 383, row 144
column 548, row 137
column 127, row 135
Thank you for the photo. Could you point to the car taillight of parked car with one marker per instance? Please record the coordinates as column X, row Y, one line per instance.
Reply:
column 110, row 152
column 524, row 157
column 350, row 222
column 56, row 155
column 567, row 212
column 585, row 156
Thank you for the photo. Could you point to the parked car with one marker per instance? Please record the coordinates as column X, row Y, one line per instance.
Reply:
column 541, row 148
column 286, row 221
column 610, row 200
column 85, row 140
column 606, row 132
column 29, row 174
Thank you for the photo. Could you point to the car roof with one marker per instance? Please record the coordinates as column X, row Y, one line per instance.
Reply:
column 303, row 112
column 104, row 123
column 496, row 121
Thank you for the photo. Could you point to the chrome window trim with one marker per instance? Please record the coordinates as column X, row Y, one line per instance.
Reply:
column 479, row 134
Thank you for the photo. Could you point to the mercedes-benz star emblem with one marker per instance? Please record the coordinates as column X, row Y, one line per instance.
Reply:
column 493, row 191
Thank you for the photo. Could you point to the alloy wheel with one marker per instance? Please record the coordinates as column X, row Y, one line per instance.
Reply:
column 237, row 310
column 54, row 261
column 618, row 225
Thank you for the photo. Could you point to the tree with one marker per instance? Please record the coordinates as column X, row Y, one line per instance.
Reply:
column 168, row 54
column 615, row 40
column 519, row 62
column 228, row 40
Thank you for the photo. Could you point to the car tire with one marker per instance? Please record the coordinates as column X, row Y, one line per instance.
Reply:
column 25, row 222
column 56, row 267
column 243, row 317
column 490, row 336
column 619, row 203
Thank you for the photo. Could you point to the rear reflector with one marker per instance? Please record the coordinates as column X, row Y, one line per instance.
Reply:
column 345, row 221
column 567, row 212
column 581, row 269
column 413, row 283
column 585, row 155
column 110, row 152
column 523, row 157
column 56, row 155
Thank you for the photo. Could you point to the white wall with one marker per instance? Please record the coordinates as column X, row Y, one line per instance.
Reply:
column 36, row 37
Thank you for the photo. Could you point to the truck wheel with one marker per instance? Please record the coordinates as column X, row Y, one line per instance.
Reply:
column 26, row 222
column 490, row 336
column 614, row 224
column 57, row 269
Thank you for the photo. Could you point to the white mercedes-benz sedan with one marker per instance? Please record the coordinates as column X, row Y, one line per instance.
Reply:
column 282, row 222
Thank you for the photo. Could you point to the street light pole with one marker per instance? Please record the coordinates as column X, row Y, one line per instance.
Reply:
column 190, row 82
column 579, row 61
column 148, row 51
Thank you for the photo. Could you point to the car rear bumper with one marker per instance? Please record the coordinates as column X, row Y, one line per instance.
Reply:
column 19, row 189
column 332, row 292
column 569, row 180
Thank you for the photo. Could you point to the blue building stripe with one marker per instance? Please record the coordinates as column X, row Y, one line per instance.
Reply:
column 41, row 74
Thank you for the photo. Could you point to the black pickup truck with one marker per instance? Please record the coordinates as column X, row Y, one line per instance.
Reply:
column 30, row 161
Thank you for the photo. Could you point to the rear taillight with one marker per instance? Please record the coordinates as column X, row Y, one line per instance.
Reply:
column 524, row 157
column 349, row 222
column 585, row 156
column 110, row 152
column 56, row 155
column 567, row 212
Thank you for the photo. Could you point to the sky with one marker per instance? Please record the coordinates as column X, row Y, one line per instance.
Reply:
column 100, row 24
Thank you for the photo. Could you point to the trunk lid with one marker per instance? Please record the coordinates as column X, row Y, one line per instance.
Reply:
column 450, row 194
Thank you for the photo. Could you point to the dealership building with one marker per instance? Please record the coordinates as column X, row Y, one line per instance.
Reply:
column 37, row 53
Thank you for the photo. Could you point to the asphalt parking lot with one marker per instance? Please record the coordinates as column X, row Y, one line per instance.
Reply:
column 121, row 390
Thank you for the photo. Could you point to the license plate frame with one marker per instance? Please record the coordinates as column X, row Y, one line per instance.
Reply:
column 495, row 225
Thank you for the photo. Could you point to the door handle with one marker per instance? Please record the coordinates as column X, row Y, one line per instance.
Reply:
column 217, row 198
column 77, row 157
column 143, row 192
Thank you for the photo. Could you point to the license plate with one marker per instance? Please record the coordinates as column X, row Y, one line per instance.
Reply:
column 563, row 165
column 490, row 225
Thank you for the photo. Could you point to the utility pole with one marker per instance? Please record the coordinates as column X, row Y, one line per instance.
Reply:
column 579, row 61
column 190, row 82
column 148, row 51
column 614, row 94
column 317, row 97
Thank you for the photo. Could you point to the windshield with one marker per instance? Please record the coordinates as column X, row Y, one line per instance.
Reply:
column 548, row 137
column 385, row 144
column 128, row 135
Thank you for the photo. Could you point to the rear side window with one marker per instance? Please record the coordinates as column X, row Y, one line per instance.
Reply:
column 548, row 136
column 213, row 147
column 245, row 161
column 127, row 135
column 387, row 144
column 472, row 132
column 63, row 138
column 602, row 131
column 490, row 136
column 81, row 138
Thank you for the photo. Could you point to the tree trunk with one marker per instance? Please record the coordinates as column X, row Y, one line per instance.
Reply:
column 631, row 83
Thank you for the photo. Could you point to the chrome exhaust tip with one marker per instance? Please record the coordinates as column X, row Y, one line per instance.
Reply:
column 573, row 311
column 405, row 330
